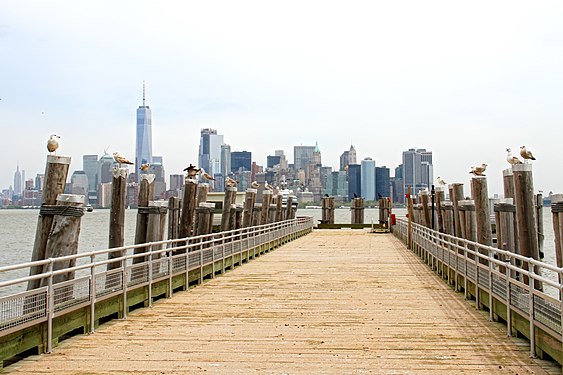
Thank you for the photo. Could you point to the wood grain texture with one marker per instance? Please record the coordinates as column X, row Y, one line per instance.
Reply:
column 335, row 301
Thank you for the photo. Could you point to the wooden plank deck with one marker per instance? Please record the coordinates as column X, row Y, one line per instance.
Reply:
column 335, row 301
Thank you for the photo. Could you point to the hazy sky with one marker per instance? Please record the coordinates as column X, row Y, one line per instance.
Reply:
column 463, row 79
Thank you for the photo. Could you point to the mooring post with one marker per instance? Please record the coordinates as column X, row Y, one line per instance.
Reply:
column 63, row 238
column 410, row 218
column 188, row 208
column 146, row 192
column 539, row 222
column 447, row 212
column 480, row 196
column 557, row 217
column 238, row 215
column 202, row 190
column 205, row 212
column 173, row 217
column 426, row 220
column 508, row 183
column 279, row 208
column 358, row 210
column 156, row 209
column 56, row 171
column 456, row 195
column 256, row 214
column 440, row 199
column 468, row 222
column 228, row 201
column 117, row 215
column 505, row 217
column 249, row 200
column 273, row 209
column 327, row 210
column 266, row 200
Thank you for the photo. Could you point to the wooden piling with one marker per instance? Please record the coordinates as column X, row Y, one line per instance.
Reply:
column 525, row 210
column 249, row 200
column 238, row 216
column 117, row 215
column 358, row 210
column 266, row 200
column 256, row 214
column 228, row 201
column 327, row 210
column 480, row 196
column 279, row 208
column 410, row 218
column 188, row 208
column 508, row 183
column 146, row 192
column 205, row 212
column 456, row 195
column 505, row 219
column 557, row 217
column 63, row 237
column 468, row 221
column 440, row 199
column 447, row 212
column 173, row 217
column 289, row 208
column 56, row 171
column 426, row 219
column 539, row 223
column 202, row 190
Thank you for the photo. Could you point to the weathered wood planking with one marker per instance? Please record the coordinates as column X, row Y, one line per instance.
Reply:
column 333, row 302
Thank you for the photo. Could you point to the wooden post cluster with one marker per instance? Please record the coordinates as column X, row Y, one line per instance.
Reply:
column 173, row 217
column 508, row 183
column 447, row 213
column 239, row 209
column 525, row 210
column 56, row 171
column 63, row 238
column 249, row 201
column 265, row 209
column 440, row 199
column 146, row 191
column 117, row 214
column 228, row 201
column 358, row 211
column 272, row 213
column 202, row 190
column 424, row 200
column 384, row 211
column 188, row 208
column 327, row 210
column 505, row 220
column 468, row 221
column 279, row 208
column 456, row 195
column 480, row 196
column 290, row 211
column 205, row 212
column 256, row 213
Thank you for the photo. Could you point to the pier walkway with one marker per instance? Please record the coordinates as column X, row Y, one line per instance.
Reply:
column 334, row 301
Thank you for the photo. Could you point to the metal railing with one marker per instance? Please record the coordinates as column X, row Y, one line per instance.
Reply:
column 92, row 282
column 525, row 286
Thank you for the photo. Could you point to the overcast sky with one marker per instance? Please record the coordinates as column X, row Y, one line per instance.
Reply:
column 463, row 79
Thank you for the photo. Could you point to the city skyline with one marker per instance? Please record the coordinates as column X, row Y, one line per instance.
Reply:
column 383, row 77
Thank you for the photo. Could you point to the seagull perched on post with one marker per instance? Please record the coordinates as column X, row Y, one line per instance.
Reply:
column 192, row 170
column 145, row 167
column 513, row 160
column 254, row 185
column 440, row 181
column 527, row 155
column 268, row 186
column 119, row 159
column 206, row 175
column 53, row 143
column 229, row 182
column 478, row 171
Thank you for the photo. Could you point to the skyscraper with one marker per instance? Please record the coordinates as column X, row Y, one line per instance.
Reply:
column 209, row 156
column 17, row 181
column 352, row 159
column 344, row 160
column 417, row 169
column 143, row 149
column 368, row 179
column 225, row 159
column 241, row 159
column 382, row 183
column 302, row 155
column 354, row 180
column 90, row 167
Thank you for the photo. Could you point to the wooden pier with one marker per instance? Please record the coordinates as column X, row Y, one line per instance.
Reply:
column 334, row 301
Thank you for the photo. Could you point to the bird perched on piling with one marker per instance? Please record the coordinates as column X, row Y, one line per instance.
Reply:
column 53, row 143
column 229, row 182
column 145, row 167
column 527, row 155
column 512, row 160
column 119, row 159
column 478, row 170
column 268, row 186
column 192, row 170
column 205, row 175
column 440, row 181
column 255, row 185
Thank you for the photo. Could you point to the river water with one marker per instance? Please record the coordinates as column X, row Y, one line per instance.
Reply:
column 17, row 231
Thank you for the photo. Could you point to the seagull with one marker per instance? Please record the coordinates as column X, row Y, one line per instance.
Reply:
column 255, row 185
column 327, row 196
column 513, row 160
column 440, row 181
column 53, row 143
column 145, row 167
column 478, row 171
column 192, row 170
column 119, row 159
column 268, row 186
column 355, row 195
column 206, row 175
column 527, row 155
column 229, row 182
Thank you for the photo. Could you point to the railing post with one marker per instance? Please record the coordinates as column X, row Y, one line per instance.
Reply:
column 509, row 300
column 531, row 310
column 50, row 309
column 465, row 270
column 150, row 276
column 92, row 293
column 170, row 270
column 490, row 285
column 187, row 255
column 125, row 278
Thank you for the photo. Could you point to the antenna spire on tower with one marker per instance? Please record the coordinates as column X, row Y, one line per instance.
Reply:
column 143, row 93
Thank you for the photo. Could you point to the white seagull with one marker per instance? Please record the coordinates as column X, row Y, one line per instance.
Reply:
column 53, row 143
column 119, row 159
column 268, row 186
column 206, row 175
column 145, row 167
column 513, row 160
column 229, row 182
column 255, row 185
column 440, row 181
column 527, row 155
column 478, row 171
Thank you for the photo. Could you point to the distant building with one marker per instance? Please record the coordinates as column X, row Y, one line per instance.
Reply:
column 344, row 160
column 354, row 180
column 90, row 167
column 209, row 157
column 143, row 148
column 368, row 179
column 302, row 155
column 105, row 167
column 177, row 181
column 18, row 186
column 398, row 185
column 382, row 183
column 225, row 159
column 39, row 179
column 241, row 161
column 283, row 160
column 272, row 160
column 417, row 169
column 104, row 195
column 79, row 183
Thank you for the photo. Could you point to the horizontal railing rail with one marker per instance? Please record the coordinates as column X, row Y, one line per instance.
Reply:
column 525, row 286
column 90, row 280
